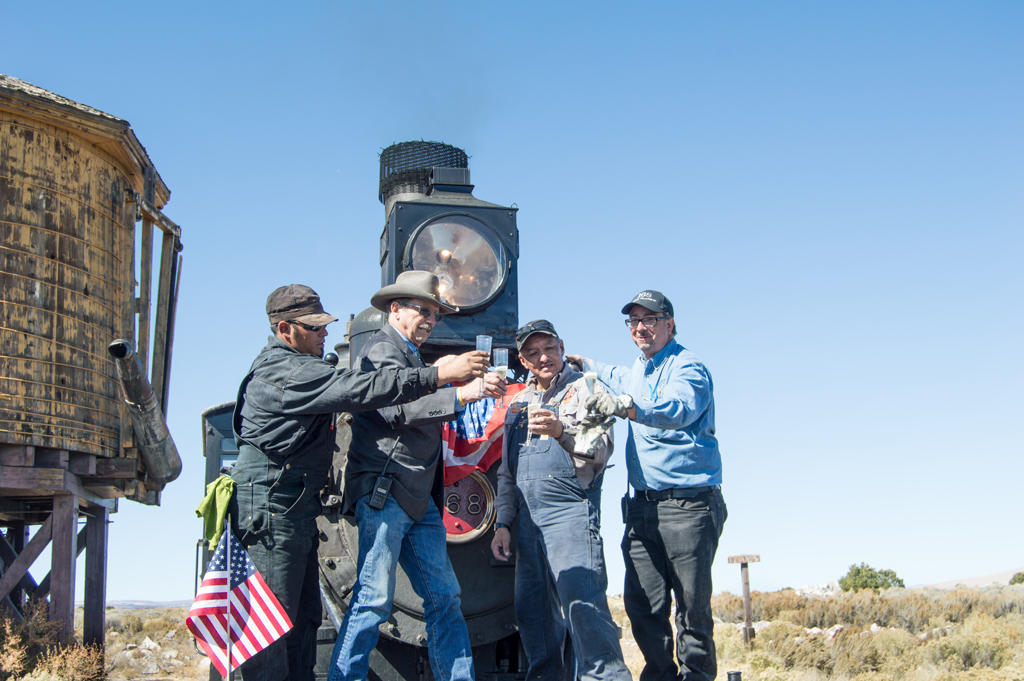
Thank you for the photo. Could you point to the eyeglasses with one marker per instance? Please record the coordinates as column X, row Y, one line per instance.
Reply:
column 308, row 327
column 649, row 322
column 425, row 312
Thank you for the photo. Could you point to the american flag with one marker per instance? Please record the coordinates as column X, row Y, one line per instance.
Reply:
column 473, row 441
column 257, row 618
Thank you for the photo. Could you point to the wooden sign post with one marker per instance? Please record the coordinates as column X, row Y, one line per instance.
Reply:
column 748, row 625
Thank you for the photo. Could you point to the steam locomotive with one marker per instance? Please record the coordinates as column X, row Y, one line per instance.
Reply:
column 433, row 223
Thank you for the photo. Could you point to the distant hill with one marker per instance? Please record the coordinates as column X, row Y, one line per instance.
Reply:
column 1002, row 578
column 146, row 605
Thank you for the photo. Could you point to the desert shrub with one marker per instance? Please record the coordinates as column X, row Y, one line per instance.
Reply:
column 890, row 653
column 158, row 626
column 13, row 655
column 25, row 644
column 70, row 663
column 1017, row 578
column 127, row 623
column 728, row 607
column 864, row 576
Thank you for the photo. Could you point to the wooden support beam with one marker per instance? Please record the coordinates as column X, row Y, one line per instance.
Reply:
column 171, row 315
column 166, row 225
column 9, row 554
column 63, row 558
column 52, row 458
column 123, row 468
column 132, row 212
column 17, row 455
column 145, row 305
column 44, row 482
column 94, row 617
column 43, row 590
column 82, row 464
column 24, row 561
column 158, row 373
column 19, row 481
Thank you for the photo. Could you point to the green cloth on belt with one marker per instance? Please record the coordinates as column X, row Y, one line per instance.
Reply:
column 214, row 508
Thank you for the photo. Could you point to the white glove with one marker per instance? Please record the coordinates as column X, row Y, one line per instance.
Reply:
column 607, row 404
column 588, row 439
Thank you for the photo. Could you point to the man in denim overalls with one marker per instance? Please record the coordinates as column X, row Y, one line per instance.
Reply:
column 556, row 494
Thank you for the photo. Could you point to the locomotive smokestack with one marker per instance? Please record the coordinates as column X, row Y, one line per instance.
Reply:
column 163, row 465
column 405, row 170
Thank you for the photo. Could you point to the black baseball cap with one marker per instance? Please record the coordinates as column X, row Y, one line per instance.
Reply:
column 537, row 326
column 652, row 300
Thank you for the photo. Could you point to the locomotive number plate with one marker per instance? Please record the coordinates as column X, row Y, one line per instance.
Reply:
column 468, row 508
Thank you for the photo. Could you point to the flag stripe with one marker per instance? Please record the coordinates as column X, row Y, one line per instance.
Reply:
column 249, row 614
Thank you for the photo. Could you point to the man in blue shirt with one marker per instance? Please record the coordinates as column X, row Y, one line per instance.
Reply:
column 675, row 517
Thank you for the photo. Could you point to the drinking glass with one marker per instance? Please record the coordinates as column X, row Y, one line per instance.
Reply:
column 483, row 343
column 501, row 366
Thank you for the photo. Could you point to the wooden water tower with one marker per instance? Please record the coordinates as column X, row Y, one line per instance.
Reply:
column 74, row 183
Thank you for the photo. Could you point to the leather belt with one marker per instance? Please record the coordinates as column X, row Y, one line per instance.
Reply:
column 673, row 493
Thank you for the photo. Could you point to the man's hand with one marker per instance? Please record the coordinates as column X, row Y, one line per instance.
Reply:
column 585, row 363
column 501, row 545
column 544, row 422
column 493, row 386
column 607, row 404
column 464, row 367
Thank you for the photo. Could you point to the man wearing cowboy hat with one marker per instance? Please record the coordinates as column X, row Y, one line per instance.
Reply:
column 389, row 476
column 283, row 424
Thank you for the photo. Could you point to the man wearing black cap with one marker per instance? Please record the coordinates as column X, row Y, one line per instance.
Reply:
column 554, row 488
column 283, row 422
column 397, row 449
column 675, row 517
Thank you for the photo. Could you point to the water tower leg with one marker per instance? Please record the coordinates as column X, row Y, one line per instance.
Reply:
column 64, row 552
column 94, row 618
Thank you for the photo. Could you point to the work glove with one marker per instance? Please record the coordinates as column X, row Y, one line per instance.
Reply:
column 588, row 439
column 607, row 404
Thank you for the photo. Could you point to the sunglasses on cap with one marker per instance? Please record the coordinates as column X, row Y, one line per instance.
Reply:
column 541, row 325
column 307, row 327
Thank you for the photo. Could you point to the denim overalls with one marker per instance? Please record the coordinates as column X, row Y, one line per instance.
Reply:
column 560, row 572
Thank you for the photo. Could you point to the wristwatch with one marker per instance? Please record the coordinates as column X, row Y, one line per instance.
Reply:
column 501, row 526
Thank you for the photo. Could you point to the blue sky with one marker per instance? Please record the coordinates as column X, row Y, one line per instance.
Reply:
column 830, row 193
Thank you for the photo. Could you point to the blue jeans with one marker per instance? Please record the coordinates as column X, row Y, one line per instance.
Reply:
column 669, row 547
column 387, row 538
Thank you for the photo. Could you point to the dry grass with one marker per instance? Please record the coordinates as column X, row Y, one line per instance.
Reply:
column 152, row 644
column 962, row 635
column 898, row 634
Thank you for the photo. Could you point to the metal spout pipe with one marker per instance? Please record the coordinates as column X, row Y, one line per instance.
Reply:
column 163, row 465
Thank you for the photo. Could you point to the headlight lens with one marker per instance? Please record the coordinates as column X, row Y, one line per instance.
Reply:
column 465, row 255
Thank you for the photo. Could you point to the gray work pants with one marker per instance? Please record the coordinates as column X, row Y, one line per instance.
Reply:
column 669, row 547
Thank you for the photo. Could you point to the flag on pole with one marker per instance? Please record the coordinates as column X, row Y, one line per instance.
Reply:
column 473, row 441
column 256, row 620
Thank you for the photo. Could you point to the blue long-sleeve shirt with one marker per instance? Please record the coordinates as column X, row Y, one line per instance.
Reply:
column 672, row 441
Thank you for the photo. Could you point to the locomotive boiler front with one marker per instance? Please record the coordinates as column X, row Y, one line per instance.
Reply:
column 435, row 224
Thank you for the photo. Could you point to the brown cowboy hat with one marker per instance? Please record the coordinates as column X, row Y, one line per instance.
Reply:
column 412, row 284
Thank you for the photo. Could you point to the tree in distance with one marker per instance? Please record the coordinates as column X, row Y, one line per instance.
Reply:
column 864, row 576
column 1018, row 578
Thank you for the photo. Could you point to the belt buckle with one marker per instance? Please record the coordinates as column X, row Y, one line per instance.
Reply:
column 650, row 495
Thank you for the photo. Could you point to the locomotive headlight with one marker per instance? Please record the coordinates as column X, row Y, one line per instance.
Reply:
column 466, row 256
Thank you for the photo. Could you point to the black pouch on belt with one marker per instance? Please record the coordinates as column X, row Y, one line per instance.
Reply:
column 625, row 507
